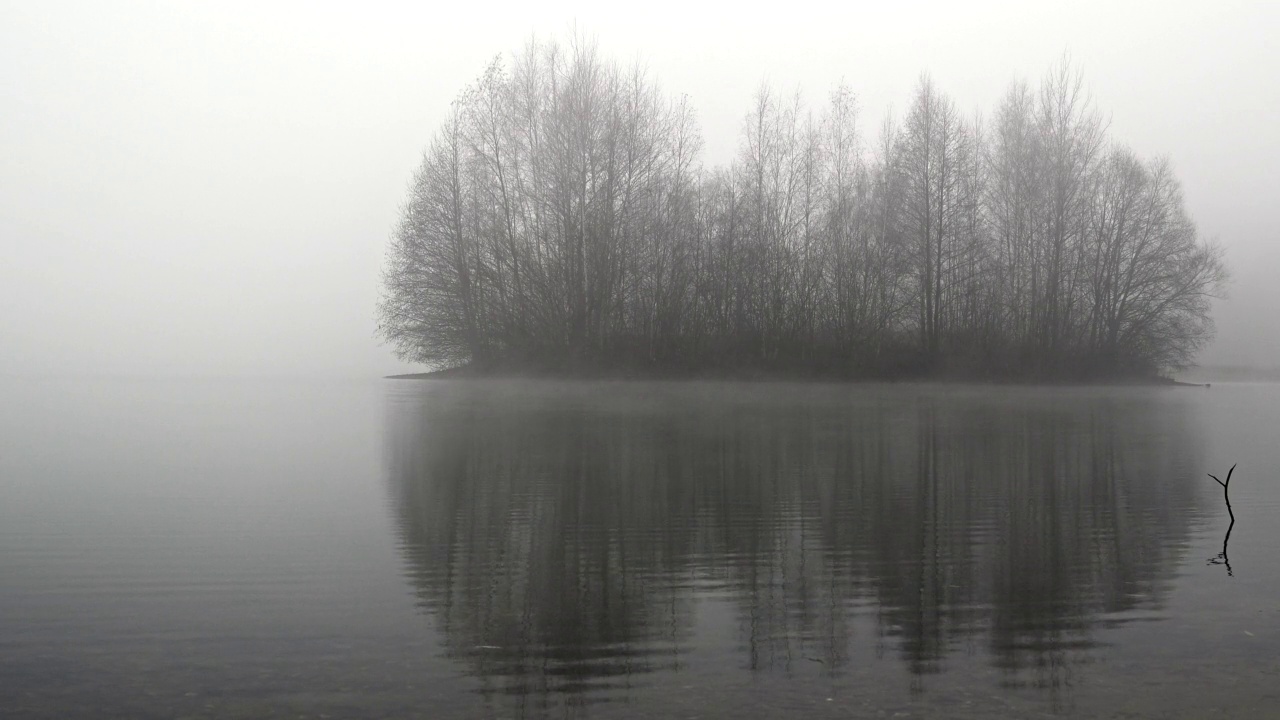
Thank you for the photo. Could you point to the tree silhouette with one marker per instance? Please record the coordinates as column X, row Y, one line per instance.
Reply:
column 561, row 220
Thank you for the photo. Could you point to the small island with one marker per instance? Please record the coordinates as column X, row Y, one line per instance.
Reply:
column 563, row 224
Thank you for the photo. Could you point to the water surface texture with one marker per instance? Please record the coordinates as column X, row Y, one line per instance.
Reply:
column 235, row 548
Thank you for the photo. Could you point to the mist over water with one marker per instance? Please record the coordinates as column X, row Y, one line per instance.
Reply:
column 232, row 548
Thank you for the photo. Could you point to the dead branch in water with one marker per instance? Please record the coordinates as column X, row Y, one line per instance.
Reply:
column 1221, row 558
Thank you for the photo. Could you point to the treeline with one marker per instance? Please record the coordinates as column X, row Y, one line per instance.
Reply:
column 562, row 219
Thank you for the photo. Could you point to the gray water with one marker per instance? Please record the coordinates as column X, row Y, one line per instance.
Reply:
column 254, row 548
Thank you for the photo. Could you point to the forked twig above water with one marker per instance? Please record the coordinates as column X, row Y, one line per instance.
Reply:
column 1221, row 558
column 1225, row 496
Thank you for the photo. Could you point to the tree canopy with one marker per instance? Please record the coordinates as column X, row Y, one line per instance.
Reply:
column 562, row 219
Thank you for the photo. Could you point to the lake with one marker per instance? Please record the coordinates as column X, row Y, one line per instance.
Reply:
column 295, row 548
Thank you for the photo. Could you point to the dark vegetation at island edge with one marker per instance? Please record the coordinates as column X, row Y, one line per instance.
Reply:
column 561, row 222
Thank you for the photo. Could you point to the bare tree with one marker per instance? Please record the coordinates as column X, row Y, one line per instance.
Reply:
column 935, row 145
column 1151, row 280
column 432, row 310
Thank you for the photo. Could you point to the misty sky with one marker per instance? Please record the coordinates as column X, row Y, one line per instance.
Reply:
column 208, row 188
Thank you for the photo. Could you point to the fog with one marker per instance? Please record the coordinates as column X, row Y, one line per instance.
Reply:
column 197, row 189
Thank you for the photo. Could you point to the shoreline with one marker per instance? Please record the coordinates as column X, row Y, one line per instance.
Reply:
column 470, row 373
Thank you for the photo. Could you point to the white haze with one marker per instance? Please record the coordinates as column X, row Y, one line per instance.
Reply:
column 207, row 188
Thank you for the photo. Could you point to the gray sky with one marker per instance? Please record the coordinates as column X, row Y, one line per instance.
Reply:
column 205, row 188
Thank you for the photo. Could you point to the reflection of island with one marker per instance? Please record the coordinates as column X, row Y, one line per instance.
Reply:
column 562, row 536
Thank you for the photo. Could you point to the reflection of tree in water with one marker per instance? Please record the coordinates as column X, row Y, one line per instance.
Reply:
column 538, row 540
column 1027, row 524
column 562, row 535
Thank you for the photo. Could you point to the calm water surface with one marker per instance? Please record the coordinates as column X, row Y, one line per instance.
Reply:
column 252, row 548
